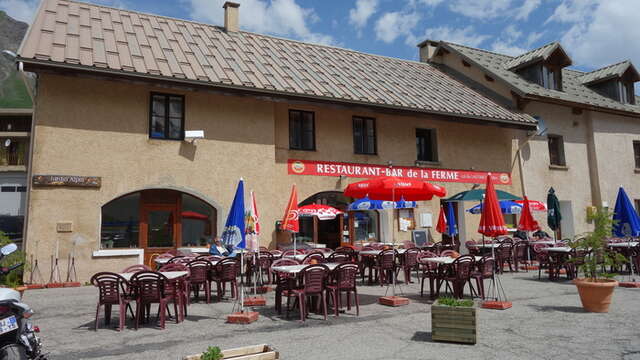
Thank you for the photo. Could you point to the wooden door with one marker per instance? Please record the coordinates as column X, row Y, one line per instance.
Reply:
column 159, row 229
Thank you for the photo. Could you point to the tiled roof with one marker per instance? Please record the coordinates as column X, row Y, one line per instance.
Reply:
column 541, row 53
column 607, row 72
column 92, row 37
column 573, row 89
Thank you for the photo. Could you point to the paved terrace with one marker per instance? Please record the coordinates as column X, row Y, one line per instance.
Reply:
column 546, row 322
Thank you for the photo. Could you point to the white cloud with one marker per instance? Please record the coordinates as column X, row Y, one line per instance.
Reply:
column 570, row 11
column 392, row 25
column 507, row 49
column 526, row 9
column 604, row 34
column 22, row 10
column 465, row 36
column 480, row 9
column 359, row 15
column 430, row 2
column 533, row 37
column 278, row 17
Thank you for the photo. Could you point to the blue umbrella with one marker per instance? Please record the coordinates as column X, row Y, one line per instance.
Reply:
column 506, row 207
column 367, row 204
column 233, row 234
column 626, row 220
column 452, row 227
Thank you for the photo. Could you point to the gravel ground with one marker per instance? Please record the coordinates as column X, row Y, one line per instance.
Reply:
column 546, row 322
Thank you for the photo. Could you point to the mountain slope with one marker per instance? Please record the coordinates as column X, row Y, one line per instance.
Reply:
column 13, row 93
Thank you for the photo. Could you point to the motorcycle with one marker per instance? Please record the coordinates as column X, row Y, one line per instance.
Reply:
column 18, row 340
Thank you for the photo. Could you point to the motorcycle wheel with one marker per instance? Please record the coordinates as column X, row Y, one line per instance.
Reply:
column 13, row 352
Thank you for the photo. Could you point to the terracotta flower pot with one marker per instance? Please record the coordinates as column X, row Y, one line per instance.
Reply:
column 596, row 295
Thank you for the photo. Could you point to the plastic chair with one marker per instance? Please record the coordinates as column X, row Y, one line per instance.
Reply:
column 339, row 257
column 429, row 270
column 409, row 261
column 386, row 265
column 542, row 257
column 458, row 274
column 184, row 286
column 447, row 253
column 471, row 248
column 226, row 271
column 313, row 285
column 150, row 289
column 175, row 259
column 136, row 268
column 408, row 244
column 484, row 270
column 283, row 281
column 112, row 291
column 199, row 276
column 345, row 282
column 520, row 253
column 504, row 253
column 317, row 256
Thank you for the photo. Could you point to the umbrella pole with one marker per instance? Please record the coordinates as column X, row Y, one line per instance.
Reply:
column 241, row 283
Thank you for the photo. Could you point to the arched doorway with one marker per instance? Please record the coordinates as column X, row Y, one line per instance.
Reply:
column 327, row 232
column 157, row 221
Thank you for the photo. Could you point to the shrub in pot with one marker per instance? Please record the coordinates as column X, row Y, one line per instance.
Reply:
column 596, row 288
column 453, row 320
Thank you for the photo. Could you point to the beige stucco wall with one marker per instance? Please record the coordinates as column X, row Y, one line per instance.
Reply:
column 92, row 127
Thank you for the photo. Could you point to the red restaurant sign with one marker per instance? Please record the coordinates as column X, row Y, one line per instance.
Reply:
column 328, row 168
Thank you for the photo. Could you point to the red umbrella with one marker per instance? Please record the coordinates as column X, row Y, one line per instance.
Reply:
column 290, row 219
column 527, row 222
column 442, row 222
column 534, row 205
column 393, row 188
column 491, row 220
column 323, row 212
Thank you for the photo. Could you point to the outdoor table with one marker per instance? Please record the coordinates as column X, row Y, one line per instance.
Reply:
column 443, row 263
column 197, row 250
column 544, row 242
column 295, row 269
column 562, row 253
column 558, row 249
column 301, row 257
column 628, row 244
column 171, row 275
column 376, row 252
column 487, row 245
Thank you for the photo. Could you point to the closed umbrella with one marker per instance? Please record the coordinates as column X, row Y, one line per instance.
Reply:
column 553, row 213
column 625, row 217
column 527, row 222
column 452, row 227
column 492, row 225
column 626, row 222
column 234, row 231
column 441, row 227
column 290, row 220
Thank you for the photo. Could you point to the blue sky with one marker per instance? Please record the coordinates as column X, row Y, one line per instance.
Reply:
column 594, row 32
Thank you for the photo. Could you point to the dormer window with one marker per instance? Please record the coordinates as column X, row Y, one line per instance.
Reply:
column 543, row 75
column 614, row 81
column 542, row 66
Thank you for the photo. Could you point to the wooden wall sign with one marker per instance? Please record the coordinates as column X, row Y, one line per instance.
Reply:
column 67, row 180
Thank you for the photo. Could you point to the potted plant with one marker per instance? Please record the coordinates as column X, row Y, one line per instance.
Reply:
column 453, row 320
column 596, row 288
column 253, row 352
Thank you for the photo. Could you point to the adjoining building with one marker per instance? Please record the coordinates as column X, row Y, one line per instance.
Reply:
column 117, row 176
column 592, row 141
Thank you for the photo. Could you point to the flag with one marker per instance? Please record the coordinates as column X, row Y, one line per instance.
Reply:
column 234, row 229
column 253, row 225
column 441, row 227
column 290, row 219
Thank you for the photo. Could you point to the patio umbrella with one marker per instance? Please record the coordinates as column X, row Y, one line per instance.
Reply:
column 452, row 227
column 491, row 220
column 478, row 195
column 492, row 225
column 290, row 220
column 626, row 220
column 323, row 212
column 506, row 207
column 394, row 188
column 527, row 222
column 441, row 227
column 553, row 213
column 234, row 231
column 367, row 204
column 534, row 205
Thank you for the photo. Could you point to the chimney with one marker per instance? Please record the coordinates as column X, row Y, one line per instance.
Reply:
column 427, row 51
column 231, row 16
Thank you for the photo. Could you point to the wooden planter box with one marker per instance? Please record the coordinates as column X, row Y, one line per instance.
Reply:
column 253, row 352
column 453, row 324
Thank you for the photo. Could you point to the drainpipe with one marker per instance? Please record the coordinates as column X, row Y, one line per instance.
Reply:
column 32, row 136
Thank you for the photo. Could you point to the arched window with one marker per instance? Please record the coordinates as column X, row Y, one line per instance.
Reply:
column 157, row 219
